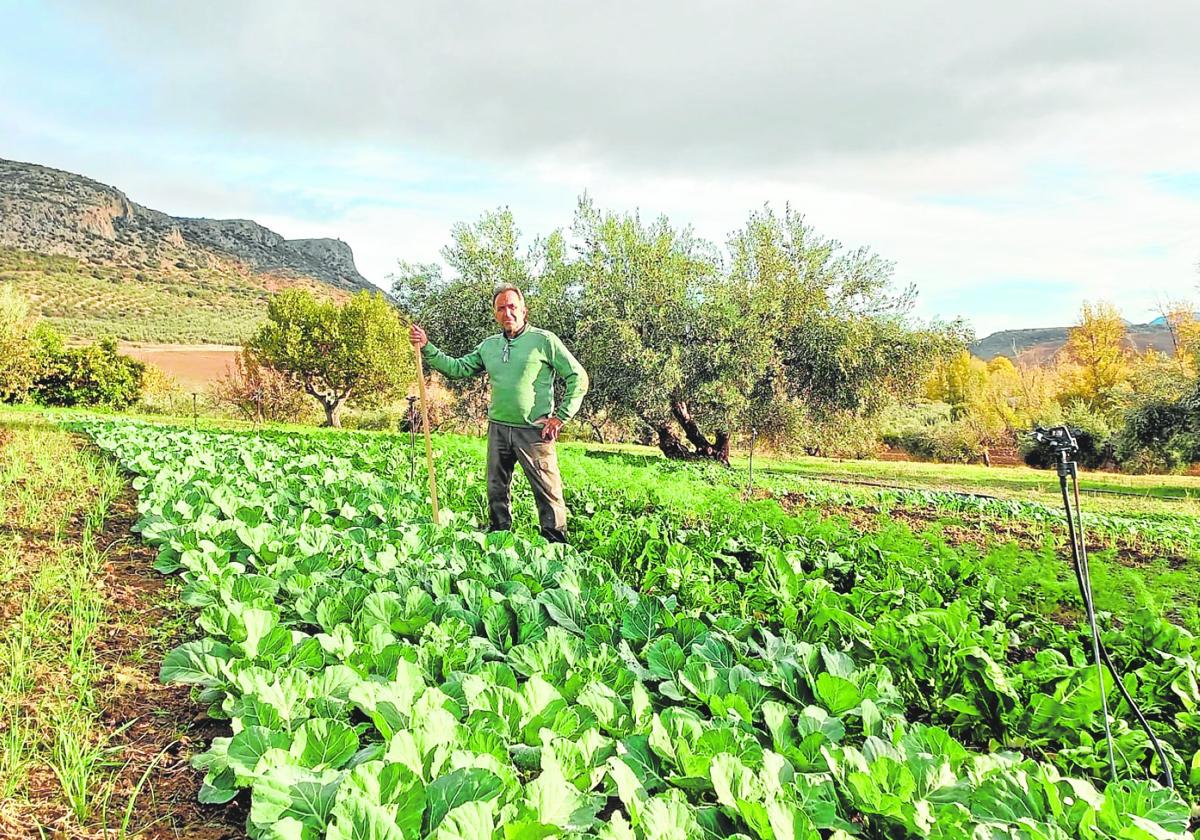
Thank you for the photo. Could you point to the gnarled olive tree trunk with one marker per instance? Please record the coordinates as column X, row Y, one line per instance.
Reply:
column 331, row 400
column 669, row 442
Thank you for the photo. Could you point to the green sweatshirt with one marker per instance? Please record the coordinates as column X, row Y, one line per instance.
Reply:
column 522, row 386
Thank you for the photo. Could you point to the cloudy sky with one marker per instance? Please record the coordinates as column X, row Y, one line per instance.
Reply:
column 1013, row 158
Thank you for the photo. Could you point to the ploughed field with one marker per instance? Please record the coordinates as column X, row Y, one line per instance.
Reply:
column 694, row 665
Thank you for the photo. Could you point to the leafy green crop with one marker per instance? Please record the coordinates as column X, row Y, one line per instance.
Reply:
column 1161, row 531
column 976, row 641
column 387, row 678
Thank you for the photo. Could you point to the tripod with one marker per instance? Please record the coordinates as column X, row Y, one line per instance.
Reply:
column 1062, row 442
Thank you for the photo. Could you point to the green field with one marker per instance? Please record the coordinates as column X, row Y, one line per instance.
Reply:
column 695, row 664
column 154, row 303
column 1005, row 480
column 1144, row 550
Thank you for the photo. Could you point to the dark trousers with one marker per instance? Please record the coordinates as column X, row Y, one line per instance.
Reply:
column 508, row 446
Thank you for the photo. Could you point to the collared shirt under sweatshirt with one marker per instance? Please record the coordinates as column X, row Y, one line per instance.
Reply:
column 522, row 379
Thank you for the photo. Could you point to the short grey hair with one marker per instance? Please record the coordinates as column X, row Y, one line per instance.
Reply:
column 507, row 287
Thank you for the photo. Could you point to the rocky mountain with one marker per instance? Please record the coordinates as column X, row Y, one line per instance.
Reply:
column 1041, row 344
column 48, row 211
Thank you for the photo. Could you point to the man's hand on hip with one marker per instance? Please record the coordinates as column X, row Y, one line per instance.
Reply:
column 550, row 427
column 417, row 336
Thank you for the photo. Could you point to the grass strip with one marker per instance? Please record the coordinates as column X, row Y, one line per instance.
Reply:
column 54, row 496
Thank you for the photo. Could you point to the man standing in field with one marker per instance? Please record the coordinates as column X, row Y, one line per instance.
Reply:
column 522, row 421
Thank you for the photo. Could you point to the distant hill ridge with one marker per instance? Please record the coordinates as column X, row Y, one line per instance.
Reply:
column 95, row 263
column 49, row 211
column 1041, row 344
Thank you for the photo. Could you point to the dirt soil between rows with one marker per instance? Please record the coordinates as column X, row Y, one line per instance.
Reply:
column 166, row 721
column 154, row 729
column 998, row 531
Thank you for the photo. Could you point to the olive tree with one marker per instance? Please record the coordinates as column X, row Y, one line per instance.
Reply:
column 784, row 332
column 658, row 327
column 356, row 352
column 842, row 342
column 456, row 310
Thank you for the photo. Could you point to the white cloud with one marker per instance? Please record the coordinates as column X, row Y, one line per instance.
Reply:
column 696, row 85
column 1028, row 266
column 1001, row 154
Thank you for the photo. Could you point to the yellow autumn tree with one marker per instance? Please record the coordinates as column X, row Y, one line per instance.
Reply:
column 1185, row 334
column 1037, row 394
column 998, row 393
column 1157, row 377
column 1098, row 354
column 998, row 402
column 955, row 380
column 989, row 401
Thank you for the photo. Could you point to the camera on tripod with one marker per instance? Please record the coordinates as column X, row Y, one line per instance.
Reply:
column 1059, row 438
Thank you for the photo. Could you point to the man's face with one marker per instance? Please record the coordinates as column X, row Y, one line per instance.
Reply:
column 510, row 312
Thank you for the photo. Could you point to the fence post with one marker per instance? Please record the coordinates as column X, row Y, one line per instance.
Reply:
column 750, row 482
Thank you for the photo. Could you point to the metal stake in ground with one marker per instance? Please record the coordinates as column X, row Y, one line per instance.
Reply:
column 428, row 442
column 750, row 481
column 412, row 439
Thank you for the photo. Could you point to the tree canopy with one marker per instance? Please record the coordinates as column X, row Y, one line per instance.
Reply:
column 338, row 353
column 685, row 341
column 1099, row 347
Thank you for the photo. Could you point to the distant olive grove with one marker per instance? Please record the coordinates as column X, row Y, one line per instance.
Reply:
column 171, row 303
column 36, row 363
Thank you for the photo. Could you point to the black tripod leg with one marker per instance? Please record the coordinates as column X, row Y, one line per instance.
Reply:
column 1084, row 577
column 1079, row 555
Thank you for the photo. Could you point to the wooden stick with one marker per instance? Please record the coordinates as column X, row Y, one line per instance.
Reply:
column 428, row 442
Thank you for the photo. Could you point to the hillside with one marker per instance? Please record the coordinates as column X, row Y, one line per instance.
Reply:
column 1039, row 345
column 96, row 263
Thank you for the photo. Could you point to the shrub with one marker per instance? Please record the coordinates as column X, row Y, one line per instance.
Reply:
column 910, row 428
column 19, row 362
column 926, row 430
column 94, row 375
column 957, row 442
column 1161, row 435
column 385, row 418
column 1093, row 432
column 259, row 392
column 842, row 434
column 160, row 390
